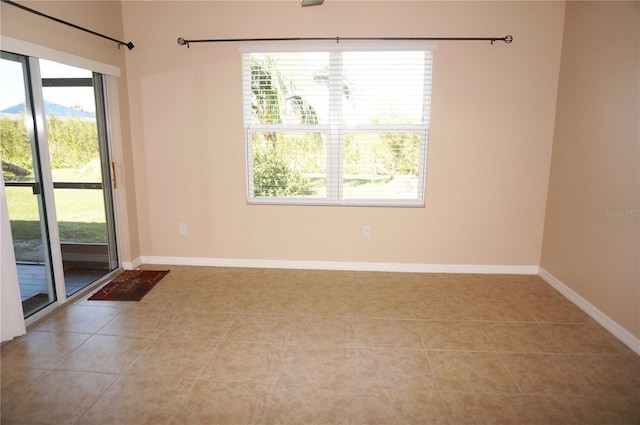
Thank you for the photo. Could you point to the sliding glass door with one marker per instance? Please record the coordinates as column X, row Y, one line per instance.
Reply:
column 58, row 130
column 76, row 133
column 24, row 188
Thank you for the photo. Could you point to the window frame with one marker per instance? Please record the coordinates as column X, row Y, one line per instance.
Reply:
column 335, row 130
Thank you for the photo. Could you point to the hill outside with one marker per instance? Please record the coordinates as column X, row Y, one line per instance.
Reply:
column 50, row 108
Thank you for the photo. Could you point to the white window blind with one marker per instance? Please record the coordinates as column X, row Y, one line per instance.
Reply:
column 337, row 127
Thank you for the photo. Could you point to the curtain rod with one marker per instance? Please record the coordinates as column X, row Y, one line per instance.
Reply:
column 120, row 43
column 507, row 39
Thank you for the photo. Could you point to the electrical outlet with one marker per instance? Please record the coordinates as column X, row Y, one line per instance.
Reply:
column 183, row 228
column 366, row 232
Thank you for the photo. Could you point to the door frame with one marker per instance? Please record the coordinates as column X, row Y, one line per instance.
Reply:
column 46, row 178
column 34, row 126
column 33, row 53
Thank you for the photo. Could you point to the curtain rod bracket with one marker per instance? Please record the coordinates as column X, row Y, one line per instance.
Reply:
column 60, row 21
column 129, row 45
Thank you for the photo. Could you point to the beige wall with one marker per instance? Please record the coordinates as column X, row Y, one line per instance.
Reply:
column 489, row 148
column 592, row 233
column 100, row 16
column 103, row 17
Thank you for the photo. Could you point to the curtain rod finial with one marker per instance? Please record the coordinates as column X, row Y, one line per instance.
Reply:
column 183, row 42
column 130, row 45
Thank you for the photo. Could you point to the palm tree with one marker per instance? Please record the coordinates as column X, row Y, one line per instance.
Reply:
column 273, row 95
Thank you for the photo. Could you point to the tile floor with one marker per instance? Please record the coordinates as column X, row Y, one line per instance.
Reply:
column 243, row 346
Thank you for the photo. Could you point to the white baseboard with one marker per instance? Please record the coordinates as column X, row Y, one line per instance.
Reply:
column 132, row 265
column 608, row 323
column 339, row 265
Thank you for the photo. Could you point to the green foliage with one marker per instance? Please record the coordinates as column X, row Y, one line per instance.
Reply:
column 15, row 145
column 275, row 96
column 272, row 176
column 77, row 232
column 304, row 110
column 352, row 155
column 265, row 90
column 73, row 142
column 399, row 153
column 322, row 78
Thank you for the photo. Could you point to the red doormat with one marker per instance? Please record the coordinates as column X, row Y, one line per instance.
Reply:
column 131, row 285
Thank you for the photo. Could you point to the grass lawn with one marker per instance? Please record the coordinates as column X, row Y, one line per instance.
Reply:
column 368, row 186
column 80, row 214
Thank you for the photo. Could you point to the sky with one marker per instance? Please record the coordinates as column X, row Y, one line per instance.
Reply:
column 12, row 85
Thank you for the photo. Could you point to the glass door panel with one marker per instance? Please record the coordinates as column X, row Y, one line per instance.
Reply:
column 78, row 160
column 23, row 186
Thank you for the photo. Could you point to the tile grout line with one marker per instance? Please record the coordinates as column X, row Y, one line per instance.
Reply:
column 497, row 354
column 118, row 376
column 433, row 373
column 586, row 375
column 198, row 376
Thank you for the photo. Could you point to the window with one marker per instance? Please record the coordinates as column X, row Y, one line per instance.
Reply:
column 337, row 127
